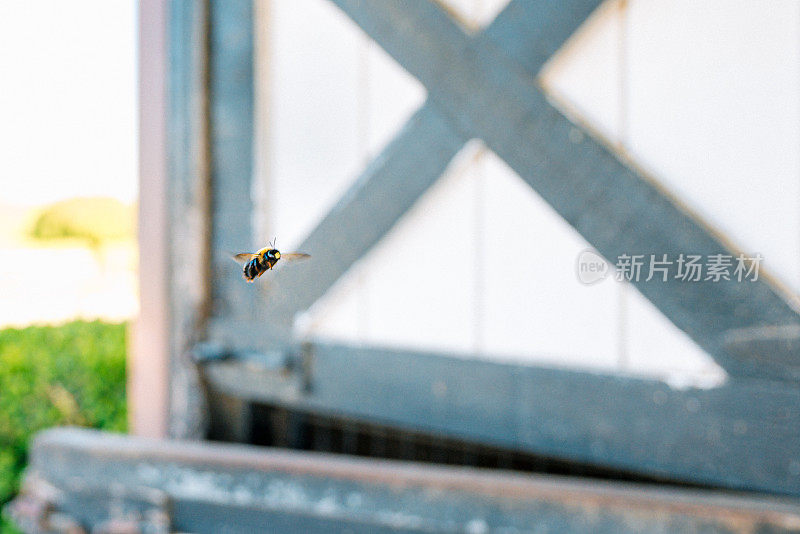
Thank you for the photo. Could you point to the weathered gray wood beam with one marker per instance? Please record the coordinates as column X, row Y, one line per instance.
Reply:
column 486, row 87
column 188, row 240
column 530, row 32
column 740, row 435
column 222, row 118
column 387, row 188
column 93, row 479
column 232, row 115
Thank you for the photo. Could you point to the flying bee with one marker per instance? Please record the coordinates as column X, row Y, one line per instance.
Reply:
column 257, row 263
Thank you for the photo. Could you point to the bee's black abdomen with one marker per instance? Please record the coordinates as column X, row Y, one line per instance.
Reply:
column 251, row 269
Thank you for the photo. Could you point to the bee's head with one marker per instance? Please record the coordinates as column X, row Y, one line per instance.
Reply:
column 273, row 254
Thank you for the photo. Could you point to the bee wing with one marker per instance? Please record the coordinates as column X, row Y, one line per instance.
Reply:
column 294, row 256
column 290, row 258
column 242, row 257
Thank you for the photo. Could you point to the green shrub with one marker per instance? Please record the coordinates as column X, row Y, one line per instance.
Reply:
column 6, row 527
column 72, row 374
column 92, row 219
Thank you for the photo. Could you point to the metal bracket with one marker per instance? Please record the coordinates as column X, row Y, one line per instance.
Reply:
column 283, row 373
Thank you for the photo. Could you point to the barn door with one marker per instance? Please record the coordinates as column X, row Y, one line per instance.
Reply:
column 400, row 244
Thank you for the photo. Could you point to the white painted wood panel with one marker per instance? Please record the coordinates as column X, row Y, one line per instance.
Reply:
column 323, row 78
column 714, row 111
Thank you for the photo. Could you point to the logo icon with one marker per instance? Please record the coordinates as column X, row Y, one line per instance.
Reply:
column 592, row 267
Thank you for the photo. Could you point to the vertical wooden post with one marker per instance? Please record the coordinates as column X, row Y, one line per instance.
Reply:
column 231, row 119
column 231, row 109
column 189, row 224
column 148, row 361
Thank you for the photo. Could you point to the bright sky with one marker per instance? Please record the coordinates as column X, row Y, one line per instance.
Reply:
column 67, row 100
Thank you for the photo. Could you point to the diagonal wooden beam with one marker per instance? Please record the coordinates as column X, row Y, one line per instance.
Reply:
column 493, row 94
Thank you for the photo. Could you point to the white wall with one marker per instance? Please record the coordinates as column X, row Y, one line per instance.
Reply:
column 703, row 94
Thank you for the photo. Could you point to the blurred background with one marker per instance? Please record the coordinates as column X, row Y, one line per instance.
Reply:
column 68, row 190
column 702, row 95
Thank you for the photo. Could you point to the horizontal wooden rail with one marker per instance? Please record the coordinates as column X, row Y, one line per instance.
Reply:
column 740, row 435
column 101, row 479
